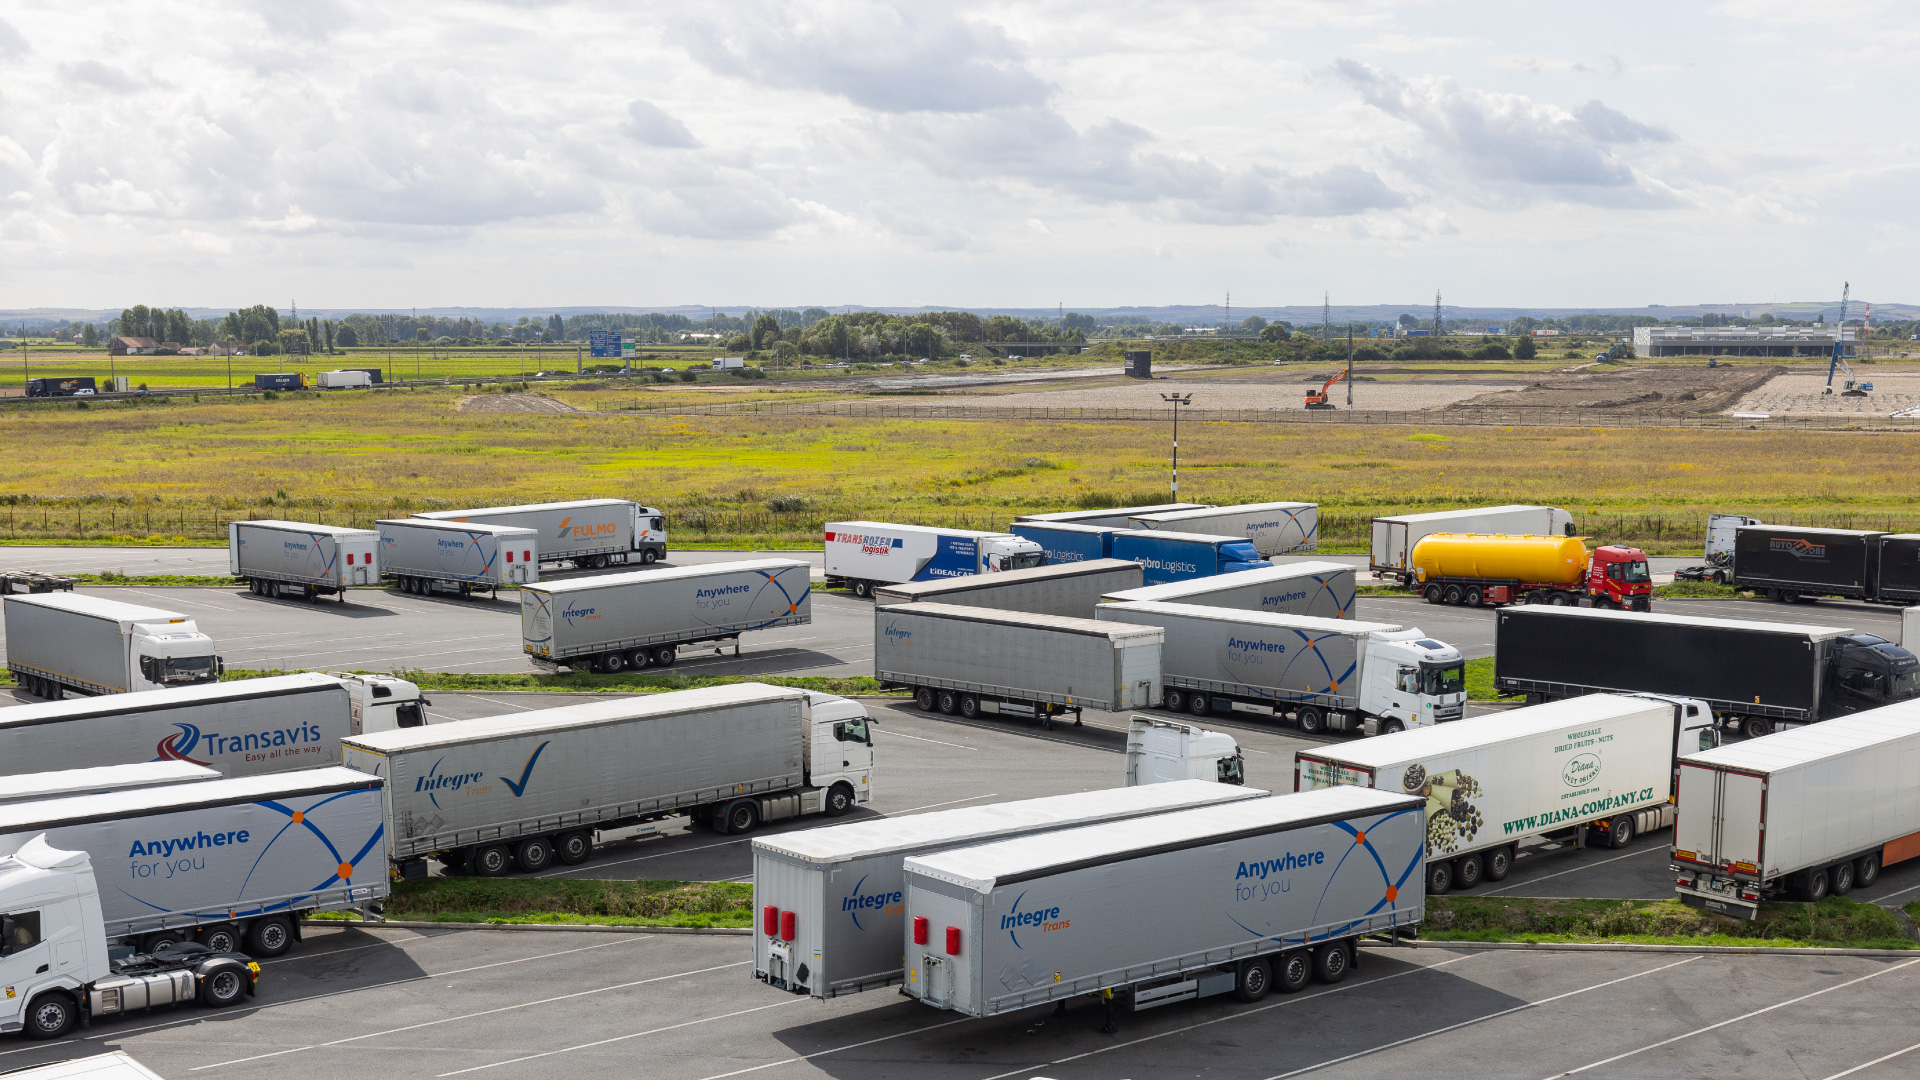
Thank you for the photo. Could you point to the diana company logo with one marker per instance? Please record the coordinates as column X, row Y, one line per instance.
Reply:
column 857, row 903
column 1805, row 550
column 1045, row 920
column 1581, row 770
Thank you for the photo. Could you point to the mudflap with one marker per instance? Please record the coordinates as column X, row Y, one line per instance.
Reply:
column 1730, row 908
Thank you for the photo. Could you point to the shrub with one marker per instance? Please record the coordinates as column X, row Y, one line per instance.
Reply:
column 1492, row 352
column 689, row 375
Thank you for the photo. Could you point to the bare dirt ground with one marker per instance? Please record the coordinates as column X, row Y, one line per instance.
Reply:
column 1629, row 389
column 1278, row 390
column 1802, row 394
column 512, row 403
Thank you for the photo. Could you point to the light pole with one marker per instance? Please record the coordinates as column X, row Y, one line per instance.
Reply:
column 1177, row 400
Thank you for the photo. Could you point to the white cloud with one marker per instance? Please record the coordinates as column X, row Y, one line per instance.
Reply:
column 650, row 125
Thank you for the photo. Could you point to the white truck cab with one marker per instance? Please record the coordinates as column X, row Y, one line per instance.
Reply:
column 171, row 654
column 1159, row 751
column 839, row 756
column 1009, row 552
column 382, row 702
column 1410, row 680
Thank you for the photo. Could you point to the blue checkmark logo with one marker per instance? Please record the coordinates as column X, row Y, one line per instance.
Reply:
column 526, row 774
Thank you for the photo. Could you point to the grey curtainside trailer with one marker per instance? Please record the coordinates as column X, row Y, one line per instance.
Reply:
column 1276, row 528
column 586, row 532
column 971, row 660
column 642, row 618
column 300, row 558
column 423, row 556
column 1239, row 898
column 1116, row 517
column 1070, row 589
column 832, row 901
column 1324, row 590
column 32, row 787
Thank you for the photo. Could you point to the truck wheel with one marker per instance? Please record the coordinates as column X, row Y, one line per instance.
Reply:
column 161, row 941
column 1757, row 726
column 839, row 799
column 863, row 590
column 923, row 697
column 51, row 1015
column 1252, row 979
column 270, row 937
column 1293, row 971
column 1435, row 594
column 1559, row 599
column 1452, row 595
column 51, row 690
column 649, row 557
column 598, row 562
column 1309, row 719
column 1497, row 864
column 573, row 848
column 1466, row 871
column 1392, row 727
column 1842, row 877
column 1198, row 705
column 222, row 937
column 1866, row 870
column 613, row 663
column 1719, row 577
column 581, row 665
column 1331, row 961
column 1816, row 887
column 639, row 658
column 1789, row 596
column 949, row 702
column 1439, row 877
column 1471, row 597
column 225, row 986
column 1537, row 596
column 1173, row 701
column 489, row 860
column 534, row 854
column 665, row 656
column 1620, row 831
column 970, row 706
column 742, row 816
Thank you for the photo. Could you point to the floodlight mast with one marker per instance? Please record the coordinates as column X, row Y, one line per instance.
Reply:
column 1177, row 400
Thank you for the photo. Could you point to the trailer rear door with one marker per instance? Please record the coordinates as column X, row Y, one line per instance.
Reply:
column 1389, row 544
column 1721, row 818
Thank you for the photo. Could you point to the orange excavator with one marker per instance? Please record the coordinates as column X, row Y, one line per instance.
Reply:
column 1317, row 399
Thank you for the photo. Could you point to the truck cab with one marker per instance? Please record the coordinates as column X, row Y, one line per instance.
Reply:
column 1159, row 751
column 1009, row 552
column 1240, row 555
column 171, row 654
column 1867, row 672
column 1411, row 681
column 839, row 757
column 1618, row 577
column 383, row 703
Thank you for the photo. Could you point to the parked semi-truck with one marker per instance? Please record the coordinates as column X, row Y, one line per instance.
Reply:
column 832, row 901
column 1602, row 762
column 61, row 642
column 1070, row 589
column 1175, row 556
column 231, row 863
column 1481, row 568
column 1275, row 528
column 1394, row 537
column 1756, row 675
column 1115, row 517
column 32, row 787
column 58, row 969
column 1792, row 564
column 1325, row 674
column 240, row 728
column 972, row 660
column 586, row 532
column 1162, row 751
column 1066, row 542
column 1324, row 590
column 345, row 379
column 1800, row 813
column 62, row 386
column 644, row 618
column 1242, row 898
column 299, row 558
column 864, row 555
column 425, row 556
column 281, row 380
column 533, row 788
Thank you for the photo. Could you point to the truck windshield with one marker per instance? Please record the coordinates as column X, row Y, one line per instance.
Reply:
column 1906, row 684
column 1443, row 679
column 1632, row 573
column 184, row 670
column 1025, row 560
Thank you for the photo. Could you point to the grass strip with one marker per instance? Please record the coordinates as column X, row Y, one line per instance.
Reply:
column 552, row 901
column 625, row 682
column 1700, row 590
column 1480, row 682
column 1834, row 923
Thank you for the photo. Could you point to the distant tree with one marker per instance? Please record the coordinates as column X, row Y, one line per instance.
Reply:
column 1523, row 347
column 1407, row 321
column 89, row 335
column 1277, row 331
column 346, row 336
column 263, row 347
column 766, row 330
column 1252, row 324
column 294, row 340
column 327, row 328
column 557, row 327
column 1073, row 320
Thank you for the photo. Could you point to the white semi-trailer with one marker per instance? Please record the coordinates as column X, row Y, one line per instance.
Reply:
column 532, row 788
column 226, row 863
column 643, row 618
column 1161, row 751
column 1801, row 813
column 586, row 532
column 831, row 901
column 1326, row 674
column 1241, row 898
column 972, row 660
column 299, row 558
column 1324, row 590
column 32, row 787
column 240, row 728
column 1603, row 762
column 1069, row 589
column 864, row 555
column 424, row 556
column 1276, row 528
column 1394, row 537
column 61, row 642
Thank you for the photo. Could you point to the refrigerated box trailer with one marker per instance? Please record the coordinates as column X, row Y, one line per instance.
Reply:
column 586, row 532
column 1113, row 517
column 1756, row 675
column 1337, row 674
column 1394, row 537
column 1603, row 762
column 831, row 901
column 1787, row 562
column 1275, row 528
column 1324, row 590
column 1062, row 542
column 1800, row 813
column 532, row 788
column 1070, row 589
column 32, row 787
column 424, row 556
column 1238, row 898
column 298, row 558
column 60, row 642
column 864, row 555
column 971, row 660
column 645, row 617
column 345, row 379
column 1175, row 556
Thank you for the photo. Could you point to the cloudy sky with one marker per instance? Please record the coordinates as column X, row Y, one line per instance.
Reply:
column 342, row 153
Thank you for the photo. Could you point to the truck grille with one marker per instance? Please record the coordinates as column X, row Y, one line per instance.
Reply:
column 1453, row 712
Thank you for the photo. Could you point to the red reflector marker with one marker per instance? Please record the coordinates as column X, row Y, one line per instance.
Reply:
column 509, row 556
column 770, row 920
column 786, row 926
column 953, row 941
column 919, row 929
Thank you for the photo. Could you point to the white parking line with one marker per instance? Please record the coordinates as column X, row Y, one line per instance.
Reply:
column 622, row 1038
column 1574, row 870
column 922, row 738
column 837, row 1049
column 1875, row 1061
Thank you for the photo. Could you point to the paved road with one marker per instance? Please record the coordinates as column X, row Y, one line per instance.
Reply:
column 545, row 1003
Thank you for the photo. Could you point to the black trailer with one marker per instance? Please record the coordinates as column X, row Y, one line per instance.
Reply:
column 1755, row 675
column 1897, row 568
column 1788, row 562
column 66, row 386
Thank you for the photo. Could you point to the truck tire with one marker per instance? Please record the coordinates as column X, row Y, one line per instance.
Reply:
column 1841, row 875
column 1757, row 726
column 573, row 848
column 1467, row 870
column 1331, row 962
column 613, row 663
column 269, row 937
column 1471, row 597
column 220, row 937
column 970, row 706
column 489, row 860
column 1495, row 865
column 640, row 659
column 1866, row 870
column 1620, row 831
column 1559, row 599
column 1198, row 705
column 665, row 656
column 924, row 698
column 51, row 1015
column 223, row 986
column 863, row 589
column 1789, row 596
column 1439, row 877
column 1173, row 700
column 949, row 702
column 741, row 817
column 1816, row 888
column 1537, row 596
column 533, row 854
column 161, row 940
column 598, row 562
column 649, row 557
column 1435, row 594
column 1310, row 719
column 51, row 690
column 1452, row 595
column 1719, row 577
column 1293, row 970
column 1392, row 727
column 1252, row 978
column 839, row 799
column 582, row 665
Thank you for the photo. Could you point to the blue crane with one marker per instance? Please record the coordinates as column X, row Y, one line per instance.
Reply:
column 1851, row 388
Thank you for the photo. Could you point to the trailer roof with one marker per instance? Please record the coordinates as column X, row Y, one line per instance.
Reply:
column 1174, row 591
column 1387, row 751
column 1814, row 742
column 1475, row 511
column 1002, row 579
column 1215, row 511
column 459, row 526
column 306, row 527
column 1112, row 511
column 141, row 802
column 1069, row 526
column 1007, row 862
column 676, row 573
column 455, row 515
column 839, row 843
column 1814, row 633
column 98, row 607
column 1062, row 623
column 1273, row 619
column 114, row 1066
column 895, row 526
column 586, row 714
column 28, row 786
column 1813, row 529
column 1204, row 538
column 54, row 712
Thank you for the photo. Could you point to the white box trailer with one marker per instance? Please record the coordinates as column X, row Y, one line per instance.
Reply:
column 32, row 787
column 299, row 558
column 1337, row 674
column 1324, row 590
column 643, row 618
column 1803, row 812
column 240, row 728
column 114, row 1066
column 1114, row 517
column 1069, row 589
column 971, row 660
column 347, row 379
column 585, row 532
column 1394, row 537
column 232, row 863
column 865, row 555
column 1242, row 897
column 61, row 642
column 531, row 788
column 426, row 556
column 1276, row 528
column 832, row 902
column 1604, row 761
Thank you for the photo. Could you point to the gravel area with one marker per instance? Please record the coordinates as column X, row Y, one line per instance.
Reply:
column 514, row 403
column 1802, row 395
column 1233, row 394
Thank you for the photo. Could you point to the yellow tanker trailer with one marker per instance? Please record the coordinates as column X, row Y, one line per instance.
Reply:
column 1481, row 568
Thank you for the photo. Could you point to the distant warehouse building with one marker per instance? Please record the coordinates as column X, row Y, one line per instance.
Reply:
column 1737, row 341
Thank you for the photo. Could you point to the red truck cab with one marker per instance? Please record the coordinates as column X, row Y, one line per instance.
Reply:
column 1618, row 577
